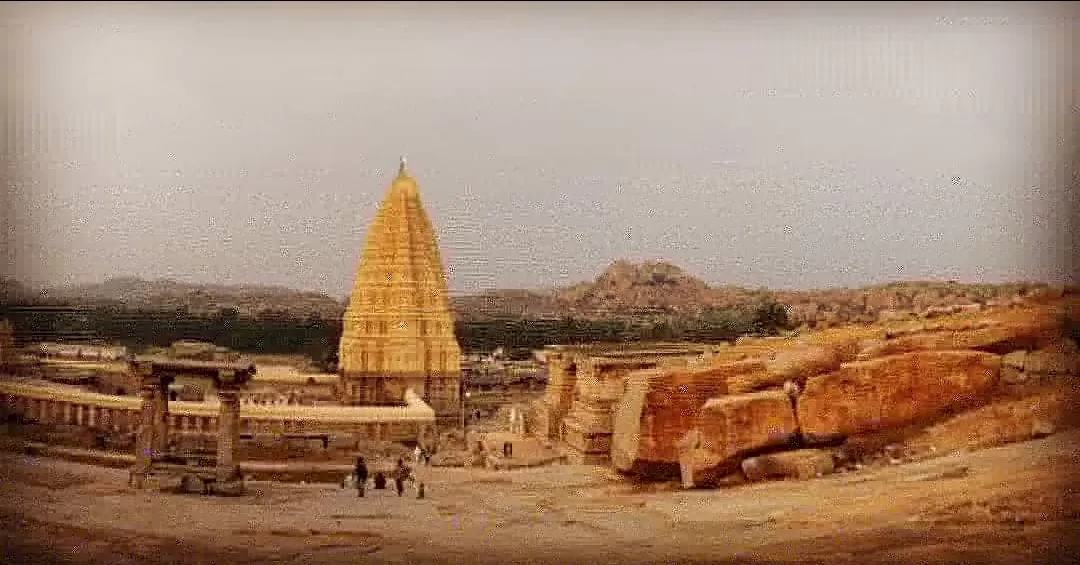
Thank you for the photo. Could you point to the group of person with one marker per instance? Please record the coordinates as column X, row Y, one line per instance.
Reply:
column 400, row 475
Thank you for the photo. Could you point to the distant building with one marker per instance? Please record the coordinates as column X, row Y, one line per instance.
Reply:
column 82, row 352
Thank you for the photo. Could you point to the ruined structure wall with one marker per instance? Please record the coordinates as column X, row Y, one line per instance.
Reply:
column 558, row 397
column 587, row 428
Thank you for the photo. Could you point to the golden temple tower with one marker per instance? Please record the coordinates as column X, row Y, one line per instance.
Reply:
column 398, row 332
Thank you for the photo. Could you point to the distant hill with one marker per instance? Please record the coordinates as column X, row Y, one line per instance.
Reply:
column 166, row 294
column 646, row 291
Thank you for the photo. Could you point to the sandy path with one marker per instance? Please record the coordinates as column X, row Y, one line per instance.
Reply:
column 1005, row 505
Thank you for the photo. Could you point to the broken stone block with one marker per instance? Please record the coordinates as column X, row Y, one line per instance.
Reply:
column 1014, row 360
column 729, row 427
column 748, row 375
column 798, row 464
column 656, row 410
column 1049, row 361
column 802, row 362
column 1041, row 428
column 1013, row 376
column 893, row 391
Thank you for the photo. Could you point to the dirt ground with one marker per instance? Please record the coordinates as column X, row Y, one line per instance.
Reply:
column 1010, row 504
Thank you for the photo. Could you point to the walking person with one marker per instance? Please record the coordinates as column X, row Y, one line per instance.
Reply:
column 418, row 455
column 361, row 476
column 401, row 474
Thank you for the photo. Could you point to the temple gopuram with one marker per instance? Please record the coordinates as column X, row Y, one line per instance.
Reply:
column 398, row 331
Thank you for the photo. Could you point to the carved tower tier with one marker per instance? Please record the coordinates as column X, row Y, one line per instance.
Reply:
column 398, row 332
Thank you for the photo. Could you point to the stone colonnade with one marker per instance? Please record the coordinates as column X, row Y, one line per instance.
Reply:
column 115, row 417
column 120, row 415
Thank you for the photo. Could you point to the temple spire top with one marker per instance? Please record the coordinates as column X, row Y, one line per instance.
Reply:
column 401, row 168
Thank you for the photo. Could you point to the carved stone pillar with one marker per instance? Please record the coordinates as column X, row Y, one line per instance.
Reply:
column 144, row 439
column 228, row 434
column 161, row 421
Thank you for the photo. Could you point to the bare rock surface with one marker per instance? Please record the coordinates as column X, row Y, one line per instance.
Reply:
column 893, row 391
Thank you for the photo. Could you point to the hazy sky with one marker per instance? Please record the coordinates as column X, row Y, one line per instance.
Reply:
column 788, row 145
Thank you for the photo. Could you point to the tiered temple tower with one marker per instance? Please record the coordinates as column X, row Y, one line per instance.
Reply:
column 398, row 332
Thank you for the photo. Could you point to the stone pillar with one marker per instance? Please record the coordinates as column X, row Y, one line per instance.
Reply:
column 228, row 434
column 144, row 440
column 161, row 421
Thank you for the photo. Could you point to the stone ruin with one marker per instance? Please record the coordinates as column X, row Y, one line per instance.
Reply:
column 585, row 386
column 766, row 407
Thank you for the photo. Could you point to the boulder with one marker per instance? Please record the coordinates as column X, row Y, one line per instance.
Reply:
column 798, row 464
column 1050, row 361
column 1001, row 422
column 893, row 391
column 1014, row 360
column 1042, row 427
column 1028, row 331
column 730, row 427
column 656, row 410
column 750, row 375
column 802, row 362
column 1012, row 375
column 870, row 348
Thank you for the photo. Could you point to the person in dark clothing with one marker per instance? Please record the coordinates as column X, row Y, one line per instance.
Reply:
column 380, row 481
column 401, row 474
column 361, row 476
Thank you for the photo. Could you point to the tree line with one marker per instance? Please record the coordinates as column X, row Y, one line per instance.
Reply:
column 316, row 337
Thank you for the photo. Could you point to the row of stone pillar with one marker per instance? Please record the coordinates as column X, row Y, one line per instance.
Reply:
column 62, row 412
column 118, row 419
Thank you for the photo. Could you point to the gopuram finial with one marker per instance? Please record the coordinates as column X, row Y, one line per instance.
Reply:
column 401, row 168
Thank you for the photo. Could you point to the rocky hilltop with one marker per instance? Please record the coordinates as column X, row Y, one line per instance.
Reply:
column 650, row 290
column 660, row 289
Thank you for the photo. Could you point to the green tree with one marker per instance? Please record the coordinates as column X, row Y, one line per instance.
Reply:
column 771, row 317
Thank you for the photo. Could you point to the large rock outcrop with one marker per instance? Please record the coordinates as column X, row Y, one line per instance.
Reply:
column 893, row 391
column 656, row 409
column 731, row 427
column 799, row 360
column 1038, row 328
